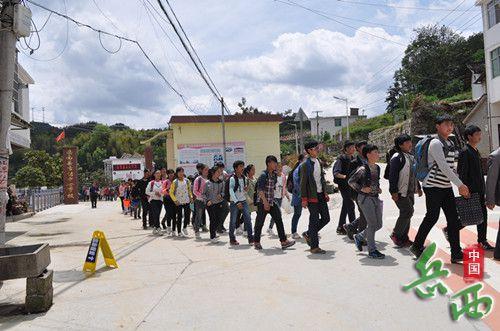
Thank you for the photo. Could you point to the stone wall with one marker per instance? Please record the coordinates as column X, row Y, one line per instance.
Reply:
column 384, row 138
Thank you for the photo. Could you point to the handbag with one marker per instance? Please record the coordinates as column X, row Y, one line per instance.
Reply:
column 470, row 211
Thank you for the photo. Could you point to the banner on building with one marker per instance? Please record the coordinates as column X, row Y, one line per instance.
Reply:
column 192, row 154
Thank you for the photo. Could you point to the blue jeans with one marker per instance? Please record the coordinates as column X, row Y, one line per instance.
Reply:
column 247, row 220
column 297, row 212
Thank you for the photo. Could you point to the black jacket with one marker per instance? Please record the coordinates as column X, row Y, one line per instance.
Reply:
column 142, row 185
column 342, row 166
column 470, row 171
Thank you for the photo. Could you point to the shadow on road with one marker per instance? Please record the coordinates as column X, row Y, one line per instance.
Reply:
column 389, row 261
column 329, row 255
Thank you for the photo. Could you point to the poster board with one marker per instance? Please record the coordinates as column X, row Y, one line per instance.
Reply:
column 191, row 154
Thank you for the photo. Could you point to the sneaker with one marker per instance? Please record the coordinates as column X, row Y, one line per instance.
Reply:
column 395, row 240
column 168, row 230
column 245, row 234
column 214, row 240
column 239, row 231
column 349, row 231
column 251, row 242
column 317, row 250
column 154, row 232
column 287, row 244
column 173, row 234
column 417, row 251
column 158, row 232
column 233, row 243
column 486, row 246
column 296, row 236
column 445, row 232
column 197, row 235
column 257, row 246
column 204, row 229
column 376, row 255
column 358, row 242
column 455, row 258
column 270, row 232
column 185, row 232
column 144, row 227
column 341, row 232
column 306, row 237
column 407, row 243
column 180, row 234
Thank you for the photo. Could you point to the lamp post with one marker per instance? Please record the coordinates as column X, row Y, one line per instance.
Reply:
column 347, row 112
column 296, row 136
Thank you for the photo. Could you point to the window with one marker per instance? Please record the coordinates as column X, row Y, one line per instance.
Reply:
column 338, row 122
column 495, row 62
column 493, row 11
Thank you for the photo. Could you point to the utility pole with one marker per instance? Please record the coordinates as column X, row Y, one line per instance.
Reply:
column 223, row 131
column 43, row 114
column 317, row 123
column 32, row 114
column 347, row 113
column 296, row 139
column 7, row 67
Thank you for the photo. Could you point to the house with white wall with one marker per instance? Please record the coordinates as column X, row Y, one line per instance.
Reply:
column 334, row 124
column 491, row 30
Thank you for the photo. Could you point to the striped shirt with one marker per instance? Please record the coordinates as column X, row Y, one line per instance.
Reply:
column 442, row 168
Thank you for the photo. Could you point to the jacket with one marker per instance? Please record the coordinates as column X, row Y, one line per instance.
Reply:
column 470, row 170
column 399, row 173
column 308, row 189
column 342, row 166
column 296, row 197
column 363, row 178
column 493, row 179
column 213, row 192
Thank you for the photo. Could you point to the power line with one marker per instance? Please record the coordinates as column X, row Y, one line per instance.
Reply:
column 121, row 38
column 183, row 42
column 292, row 3
column 395, row 6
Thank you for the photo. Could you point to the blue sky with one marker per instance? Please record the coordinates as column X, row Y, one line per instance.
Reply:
column 276, row 55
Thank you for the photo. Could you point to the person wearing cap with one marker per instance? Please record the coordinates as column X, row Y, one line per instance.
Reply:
column 314, row 196
column 341, row 171
column 439, row 192
column 403, row 185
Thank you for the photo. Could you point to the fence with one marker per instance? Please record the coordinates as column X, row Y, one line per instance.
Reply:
column 40, row 199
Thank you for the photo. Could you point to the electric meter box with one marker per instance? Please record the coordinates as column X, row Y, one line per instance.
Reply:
column 22, row 21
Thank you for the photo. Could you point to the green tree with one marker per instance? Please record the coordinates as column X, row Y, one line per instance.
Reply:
column 29, row 176
column 326, row 136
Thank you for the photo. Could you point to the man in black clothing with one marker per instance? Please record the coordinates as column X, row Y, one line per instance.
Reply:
column 341, row 171
column 471, row 174
column 142, row 185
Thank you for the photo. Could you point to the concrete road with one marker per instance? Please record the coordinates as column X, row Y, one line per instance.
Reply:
column 186, row 284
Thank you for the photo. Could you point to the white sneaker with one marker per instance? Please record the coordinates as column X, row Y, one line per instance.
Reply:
column 180, row 234
column 155, row 232
column 296, row 236
column 173, row 234
column 270, row 232
column 185, row 232
column 168, row 230
column 239, row 231
column 159, row 232
column 215, row 240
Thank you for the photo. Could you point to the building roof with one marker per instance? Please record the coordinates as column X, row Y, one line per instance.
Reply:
column 228, row 119
column 478, row 106
column 342, row 116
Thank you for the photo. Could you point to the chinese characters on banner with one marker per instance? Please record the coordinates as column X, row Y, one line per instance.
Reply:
column 70, row 175
column 466, row 302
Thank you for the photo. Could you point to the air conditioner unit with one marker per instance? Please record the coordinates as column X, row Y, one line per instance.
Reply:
column 22, row 21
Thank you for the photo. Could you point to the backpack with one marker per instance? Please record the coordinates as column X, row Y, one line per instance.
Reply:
column 227, row 195
column 289, row 179
column 388, row 156
column 345, row 163
column 421, row 166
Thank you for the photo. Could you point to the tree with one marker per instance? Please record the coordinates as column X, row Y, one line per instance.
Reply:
column 326, row 136
column 49, row 166
column 29, row 176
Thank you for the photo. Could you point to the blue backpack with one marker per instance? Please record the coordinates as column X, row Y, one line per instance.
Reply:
column 421, row 166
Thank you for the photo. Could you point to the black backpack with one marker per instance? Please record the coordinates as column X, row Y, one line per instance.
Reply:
column 227, row 196
column 388, row 157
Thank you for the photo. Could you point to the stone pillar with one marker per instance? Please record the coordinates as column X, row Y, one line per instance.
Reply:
column 148, row 156
column 39, row 293
column 70, row 175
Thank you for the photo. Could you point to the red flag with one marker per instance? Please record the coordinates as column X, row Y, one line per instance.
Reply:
column 61, row 136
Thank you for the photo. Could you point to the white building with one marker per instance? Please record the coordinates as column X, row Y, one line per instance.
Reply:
column 19, row 134
column 125, row 168
column 333, row 124
column 491, row 27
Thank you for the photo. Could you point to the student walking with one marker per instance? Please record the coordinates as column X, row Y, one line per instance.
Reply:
column 440, row 168
column 314, row 196
column 265, row 191
column 359, row 223
column 142, row 185
column 94, row 193
column 249, row 174
column 471, row 174
column 225, row 204
column 155, row 192
column 366, row 182
column 135, row 196
column 238, row 200
column 341, row 171
column 280, row 192
column 296, row 197
column 213, row 194
column 182, row 195
column 169, row 205
column 493, row 191
column 199, row 202
column 403, row 185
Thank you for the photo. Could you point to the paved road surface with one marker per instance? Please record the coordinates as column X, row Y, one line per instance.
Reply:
column 172, row 284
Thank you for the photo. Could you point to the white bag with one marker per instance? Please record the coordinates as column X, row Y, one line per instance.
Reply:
column 287, row 207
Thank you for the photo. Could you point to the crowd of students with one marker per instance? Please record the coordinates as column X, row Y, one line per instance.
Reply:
column 430, row 170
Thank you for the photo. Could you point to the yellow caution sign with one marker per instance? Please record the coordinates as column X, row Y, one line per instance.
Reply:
column 98, row 242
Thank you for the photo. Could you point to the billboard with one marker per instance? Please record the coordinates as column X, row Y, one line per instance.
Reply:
column 192, row 154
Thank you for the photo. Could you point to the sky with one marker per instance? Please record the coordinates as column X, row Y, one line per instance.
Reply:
column 276, row 54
